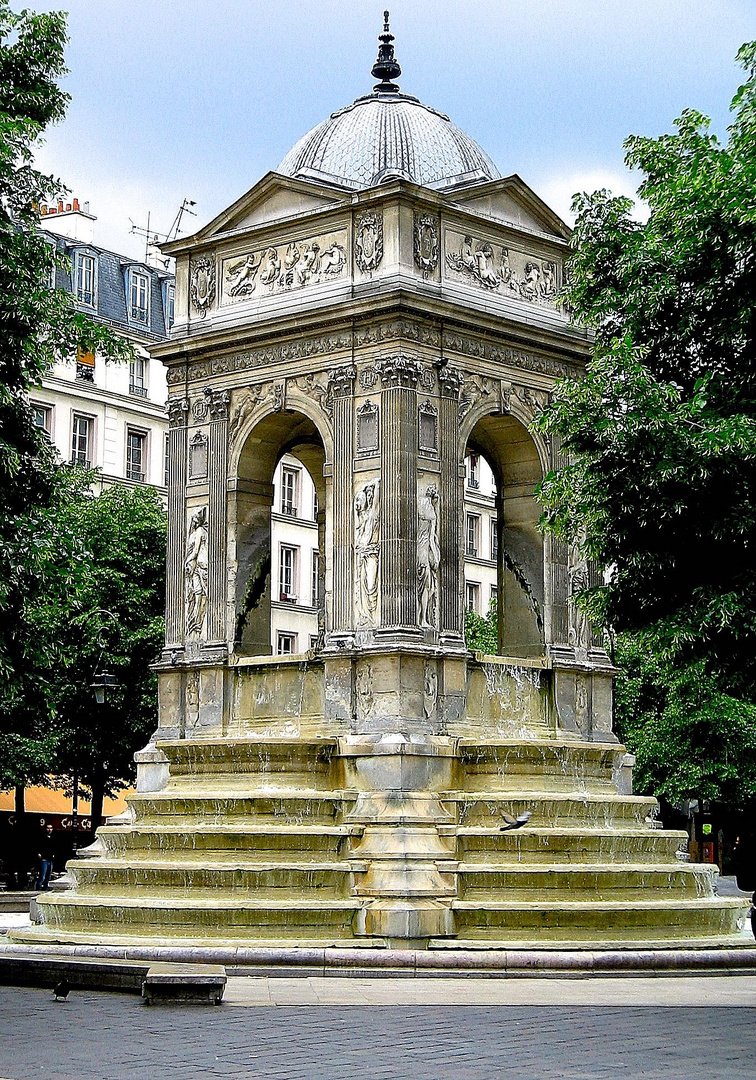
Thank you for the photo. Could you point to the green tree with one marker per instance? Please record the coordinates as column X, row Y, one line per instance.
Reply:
column 482, row 632
column 660, row 435
column 38, row 326
column 114, row 624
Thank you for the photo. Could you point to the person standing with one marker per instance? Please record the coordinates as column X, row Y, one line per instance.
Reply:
column 45, row 856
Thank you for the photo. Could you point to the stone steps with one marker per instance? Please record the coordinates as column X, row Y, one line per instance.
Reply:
column 537, row 846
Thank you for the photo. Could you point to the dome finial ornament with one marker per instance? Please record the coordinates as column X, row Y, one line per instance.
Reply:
column 386, row 66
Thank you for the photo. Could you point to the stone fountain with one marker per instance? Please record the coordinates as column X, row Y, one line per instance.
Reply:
column 380, row 306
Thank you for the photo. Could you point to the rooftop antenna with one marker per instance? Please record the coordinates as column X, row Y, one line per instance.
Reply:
column 152, row 239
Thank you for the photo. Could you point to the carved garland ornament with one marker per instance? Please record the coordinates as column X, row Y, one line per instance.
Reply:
column 368, row 241
column 202, row 283
column 426, row 243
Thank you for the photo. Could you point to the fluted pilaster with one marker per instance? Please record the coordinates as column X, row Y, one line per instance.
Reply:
column 342, row 383
column 450, row 383
column 178, row 412
column 398, row 516
column 218, row 403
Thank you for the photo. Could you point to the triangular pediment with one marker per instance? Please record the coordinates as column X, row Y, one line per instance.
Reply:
column 274, row 198
column 511, row 202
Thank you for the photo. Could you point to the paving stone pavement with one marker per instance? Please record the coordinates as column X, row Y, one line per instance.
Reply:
column 102, row 1036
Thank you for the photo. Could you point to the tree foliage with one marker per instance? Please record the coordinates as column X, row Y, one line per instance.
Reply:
column 482, row 632
column 40, row 562
column 660, row 435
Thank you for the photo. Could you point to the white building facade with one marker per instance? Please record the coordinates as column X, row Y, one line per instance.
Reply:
column 109, row 417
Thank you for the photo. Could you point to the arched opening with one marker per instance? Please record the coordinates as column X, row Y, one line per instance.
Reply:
column 502, row 551
column 277, row 538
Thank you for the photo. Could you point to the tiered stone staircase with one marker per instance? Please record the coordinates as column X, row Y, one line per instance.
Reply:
column 263, row 840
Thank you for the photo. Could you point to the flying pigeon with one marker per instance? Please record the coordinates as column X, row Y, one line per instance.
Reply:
column 514, row 823
column 61, row 990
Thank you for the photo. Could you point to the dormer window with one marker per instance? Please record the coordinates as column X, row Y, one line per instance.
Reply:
column 139, row 307
column 86, row 279
column 169, row 304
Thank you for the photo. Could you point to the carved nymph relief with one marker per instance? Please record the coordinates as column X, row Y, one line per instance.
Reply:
column 195, row 572
column 366, row 510
column 428, row 558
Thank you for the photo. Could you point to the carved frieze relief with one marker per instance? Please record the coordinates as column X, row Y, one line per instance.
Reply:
column 512, row 357
column 473, row 389
column 245, row 403
column 319, row 388
column 368, row 240
column 503, row 270
column 285, row 266
column 426, row 243
column 202, row 283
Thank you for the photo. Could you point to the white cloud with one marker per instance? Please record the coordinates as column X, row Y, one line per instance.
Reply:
column 557, row 191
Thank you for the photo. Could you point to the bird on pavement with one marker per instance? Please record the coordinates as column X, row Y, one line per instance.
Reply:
column 61, row 990
column 514, row 823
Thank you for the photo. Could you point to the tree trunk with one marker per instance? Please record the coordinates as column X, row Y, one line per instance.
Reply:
column 98, row 794
column 20, row 798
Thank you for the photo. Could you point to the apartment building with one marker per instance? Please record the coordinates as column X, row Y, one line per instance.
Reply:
column 108, row 416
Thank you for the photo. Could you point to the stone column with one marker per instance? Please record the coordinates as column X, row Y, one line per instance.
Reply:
column 450, row 383
column 218, row 403
column 342, row 382
column 398, row 511
column 178, row 412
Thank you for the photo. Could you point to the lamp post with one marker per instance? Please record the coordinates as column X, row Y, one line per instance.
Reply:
column 102, row 682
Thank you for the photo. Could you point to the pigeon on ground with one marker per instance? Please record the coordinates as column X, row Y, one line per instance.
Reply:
column 61, row 990
column 515, row 823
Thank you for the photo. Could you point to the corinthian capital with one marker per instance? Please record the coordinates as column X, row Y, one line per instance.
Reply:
column 399, row 371
column 178, row 408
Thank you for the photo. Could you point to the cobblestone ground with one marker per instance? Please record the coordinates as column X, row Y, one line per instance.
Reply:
column 114, row 1037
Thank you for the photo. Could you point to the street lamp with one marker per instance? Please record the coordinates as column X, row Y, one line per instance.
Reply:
column 101, row 684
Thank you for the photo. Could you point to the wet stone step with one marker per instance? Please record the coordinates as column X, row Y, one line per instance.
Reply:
column 552, row 809
column 583, row 883
column 289, row 807
column 312, row 840
column 559, row 845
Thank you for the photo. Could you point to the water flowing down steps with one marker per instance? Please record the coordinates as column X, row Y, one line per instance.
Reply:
column 311, row 843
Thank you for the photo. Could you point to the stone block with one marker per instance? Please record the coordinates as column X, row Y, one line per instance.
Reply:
column 184, row 984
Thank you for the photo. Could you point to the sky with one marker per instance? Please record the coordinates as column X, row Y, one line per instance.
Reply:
column 199, row 100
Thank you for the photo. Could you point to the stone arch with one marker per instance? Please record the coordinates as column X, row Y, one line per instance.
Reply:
column 518, row 462
column 265, row 438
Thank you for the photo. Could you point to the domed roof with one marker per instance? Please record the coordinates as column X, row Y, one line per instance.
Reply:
column 387, row 135
column 384, row 136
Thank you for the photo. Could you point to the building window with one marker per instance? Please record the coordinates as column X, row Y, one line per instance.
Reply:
column 81, row 441
column 472, row 596
column 473, row 471
column 289, row 491
column 138, row 376
column 136, row 457
column 85, row 279
column 315, row 583
column 494, row 539
column 85, row 364
column 286, row 643
column 493, row 596
column 315, row 506
column 43, row 417
column 167, row 459
column 140, row 298
column 313, row 641
column 170, row 306
column 473, row 535
column 287, row 576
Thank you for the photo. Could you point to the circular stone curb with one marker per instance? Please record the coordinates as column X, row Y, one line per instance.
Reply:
column 413, row 962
